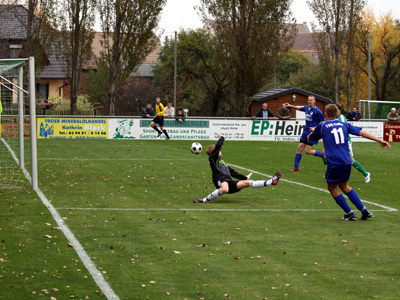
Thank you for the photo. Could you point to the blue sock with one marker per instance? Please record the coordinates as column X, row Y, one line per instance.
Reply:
column 317, row 153
column 353, row 196
column 341, row 201
column 297, row 160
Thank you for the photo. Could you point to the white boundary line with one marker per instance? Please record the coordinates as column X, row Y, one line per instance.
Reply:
column 314, row 188
column 88, row 263
column 199, row 209
column 116, row 159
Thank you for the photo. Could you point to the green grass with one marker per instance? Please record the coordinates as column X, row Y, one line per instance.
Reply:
column 129, row 203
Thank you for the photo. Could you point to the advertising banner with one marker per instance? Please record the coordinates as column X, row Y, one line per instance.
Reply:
column 375, row 128
column 391, row 132
column 140, row 129
column 72, row 128
column 190, row 129
column 271, row 130
column 205, row 129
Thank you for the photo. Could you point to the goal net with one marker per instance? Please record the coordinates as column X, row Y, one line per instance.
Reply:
column 375, row 109
column 15, row 92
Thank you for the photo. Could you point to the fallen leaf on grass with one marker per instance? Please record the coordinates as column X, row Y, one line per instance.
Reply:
column 176, row 252
column 202, row 245
column 228, row 243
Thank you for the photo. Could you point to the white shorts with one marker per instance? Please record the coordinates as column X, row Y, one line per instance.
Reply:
column 350, row 149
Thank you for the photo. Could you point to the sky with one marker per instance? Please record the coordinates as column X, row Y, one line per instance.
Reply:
column 179, row 14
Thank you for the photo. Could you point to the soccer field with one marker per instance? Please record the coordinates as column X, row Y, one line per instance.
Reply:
column 129, row 205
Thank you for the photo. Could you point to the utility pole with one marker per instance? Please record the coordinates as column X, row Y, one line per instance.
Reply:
column 369, row 67
column 175, row 67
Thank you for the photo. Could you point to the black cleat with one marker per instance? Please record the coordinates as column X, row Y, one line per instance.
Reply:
column 348, row 217
column 198, row 200
column 367, row 215
column 159, row 134
column 276, row 177
column 167, row 138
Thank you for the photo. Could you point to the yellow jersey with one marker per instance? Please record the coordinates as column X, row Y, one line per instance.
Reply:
column 160, row 110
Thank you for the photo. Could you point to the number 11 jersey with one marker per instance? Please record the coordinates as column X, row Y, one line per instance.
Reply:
column 335, row 135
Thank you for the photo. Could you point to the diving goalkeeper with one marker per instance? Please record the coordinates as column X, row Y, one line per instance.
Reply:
column 222, row 175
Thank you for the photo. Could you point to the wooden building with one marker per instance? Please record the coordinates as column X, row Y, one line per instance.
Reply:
column 275, row 97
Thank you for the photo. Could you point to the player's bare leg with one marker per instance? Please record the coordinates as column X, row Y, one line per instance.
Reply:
column 311, row 151
column 224, row 187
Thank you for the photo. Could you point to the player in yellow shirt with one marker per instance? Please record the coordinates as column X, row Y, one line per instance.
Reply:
column 159, row 119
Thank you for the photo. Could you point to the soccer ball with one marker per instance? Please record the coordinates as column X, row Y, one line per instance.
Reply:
column 196, row 148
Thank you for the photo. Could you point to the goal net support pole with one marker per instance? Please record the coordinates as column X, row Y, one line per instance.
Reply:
column 32, row 112
column 21, row 117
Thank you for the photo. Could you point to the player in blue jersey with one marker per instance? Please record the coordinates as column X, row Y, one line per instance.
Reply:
column 314, row 116
column 335, row 136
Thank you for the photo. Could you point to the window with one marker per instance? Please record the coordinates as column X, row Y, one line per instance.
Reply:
column 15, row 50
column 42, row 90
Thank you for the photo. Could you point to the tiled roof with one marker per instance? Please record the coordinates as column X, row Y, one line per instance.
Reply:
column 304, row 42
column 12, row 27
column 12, row 19
column 281, row 91
column 302, row 28
column 53, row 70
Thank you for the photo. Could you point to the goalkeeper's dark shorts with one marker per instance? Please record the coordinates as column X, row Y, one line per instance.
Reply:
column 159, row 120
column 232, row 185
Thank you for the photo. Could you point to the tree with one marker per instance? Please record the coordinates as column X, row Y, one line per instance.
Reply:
column 97, row 85
column 202, row 79
column 313, row 78
column 128, row 38
column 77, row 20
column 385, row 52
column 135, row 94
column 331, row 17
column 290, row 63
column 354, row 8
column 250, row 33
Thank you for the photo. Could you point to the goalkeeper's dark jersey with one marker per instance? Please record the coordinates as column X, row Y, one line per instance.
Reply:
column 221, row 172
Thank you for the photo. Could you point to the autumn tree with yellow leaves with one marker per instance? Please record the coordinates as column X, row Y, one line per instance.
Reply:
column 385, row 54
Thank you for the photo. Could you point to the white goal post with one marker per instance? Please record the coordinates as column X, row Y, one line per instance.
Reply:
column 376, row 109
column 17, row 91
